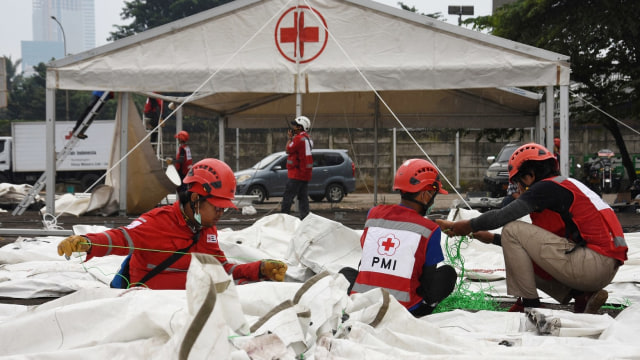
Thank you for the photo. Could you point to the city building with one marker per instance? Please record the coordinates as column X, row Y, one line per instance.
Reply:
column 72, row 31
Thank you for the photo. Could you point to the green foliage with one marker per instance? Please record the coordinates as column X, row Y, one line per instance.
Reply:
column 602, row 39
column 149, row 14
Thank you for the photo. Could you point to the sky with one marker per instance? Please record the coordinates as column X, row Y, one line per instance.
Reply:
column 15, row 18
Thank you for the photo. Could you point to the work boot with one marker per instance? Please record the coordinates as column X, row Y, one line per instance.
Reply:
column 517, row 307
column 521, row 304
column 590, row 302
column 82, row 136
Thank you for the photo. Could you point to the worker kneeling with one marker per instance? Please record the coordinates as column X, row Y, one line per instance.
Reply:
column 159, row 242
column 401, row 247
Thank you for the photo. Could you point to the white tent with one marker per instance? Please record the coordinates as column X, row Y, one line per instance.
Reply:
column 258, row 61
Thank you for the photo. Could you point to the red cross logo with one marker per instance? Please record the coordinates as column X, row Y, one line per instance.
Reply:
column 305, row 33
column 387, row 245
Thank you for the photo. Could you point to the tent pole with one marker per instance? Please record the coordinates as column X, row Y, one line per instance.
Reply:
column 548, row 138
column 221, row 123
column 395, row 151
column 458, row 159
column 564, row 130
column 541, row 123
column 376, row 116
column 50, row 155
column 237, row 149
column 124, row 148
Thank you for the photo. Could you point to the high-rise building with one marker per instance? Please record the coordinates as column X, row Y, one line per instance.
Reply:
column 77, row 18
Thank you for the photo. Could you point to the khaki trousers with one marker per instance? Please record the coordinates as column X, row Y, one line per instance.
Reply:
column 582, row 269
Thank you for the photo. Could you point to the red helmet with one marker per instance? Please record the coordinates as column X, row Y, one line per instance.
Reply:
column 530, row 151
column 415, row 175
column 182, row 136
column 214, row 180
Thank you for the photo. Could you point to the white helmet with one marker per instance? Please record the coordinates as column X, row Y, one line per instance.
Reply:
column 302, row 121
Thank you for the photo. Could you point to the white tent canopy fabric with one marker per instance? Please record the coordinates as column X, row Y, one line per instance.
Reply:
column 246, row 61
column 246, row 47
column 310, row 313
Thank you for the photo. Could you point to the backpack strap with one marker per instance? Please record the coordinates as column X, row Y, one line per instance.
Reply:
column 168, row 261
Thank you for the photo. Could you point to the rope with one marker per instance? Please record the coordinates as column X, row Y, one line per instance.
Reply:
column 372, row 88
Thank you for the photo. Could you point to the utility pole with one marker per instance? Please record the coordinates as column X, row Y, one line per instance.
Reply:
column 64, row 44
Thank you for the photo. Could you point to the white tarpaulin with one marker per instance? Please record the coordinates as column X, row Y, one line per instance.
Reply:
column 308, row 314
column 246, row 58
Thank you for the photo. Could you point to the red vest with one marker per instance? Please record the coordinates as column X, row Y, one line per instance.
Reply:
column 299, row 159
column 184, row 165
column 597, row 223
column 394, row 244
column 154, row 236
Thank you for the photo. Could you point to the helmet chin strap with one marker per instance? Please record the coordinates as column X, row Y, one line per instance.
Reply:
column 424, row 207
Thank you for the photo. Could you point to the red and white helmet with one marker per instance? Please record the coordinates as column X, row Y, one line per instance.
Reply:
column 415, row 175
column 214, row 180
column 526, row 152
column 182, row 136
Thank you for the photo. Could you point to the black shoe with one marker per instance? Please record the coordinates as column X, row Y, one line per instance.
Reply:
column 82, row 136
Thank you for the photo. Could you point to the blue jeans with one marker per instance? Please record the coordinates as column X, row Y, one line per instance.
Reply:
column 292, row 189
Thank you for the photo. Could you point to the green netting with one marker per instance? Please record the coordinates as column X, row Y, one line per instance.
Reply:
column 462, row 297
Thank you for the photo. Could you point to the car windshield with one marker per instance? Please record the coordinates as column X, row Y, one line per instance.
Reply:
column 506, row 153
column 266, row 161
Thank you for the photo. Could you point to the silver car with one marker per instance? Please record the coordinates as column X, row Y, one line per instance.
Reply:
column 333, row 176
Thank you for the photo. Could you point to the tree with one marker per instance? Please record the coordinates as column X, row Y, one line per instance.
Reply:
column 149, row 14
column 602, row 39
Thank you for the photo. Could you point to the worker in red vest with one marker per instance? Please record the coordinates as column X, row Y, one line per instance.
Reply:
column 571, row 250
column 183, row 161
column 401, row 247
column 299, row 166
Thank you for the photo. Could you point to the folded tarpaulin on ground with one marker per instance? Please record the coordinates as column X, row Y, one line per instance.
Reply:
column 309, row 314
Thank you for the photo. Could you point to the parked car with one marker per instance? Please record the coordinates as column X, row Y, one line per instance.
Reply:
column 496, row 178
column 333, row 176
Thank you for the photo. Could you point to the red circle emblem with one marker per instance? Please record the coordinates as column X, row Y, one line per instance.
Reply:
column 301, row 37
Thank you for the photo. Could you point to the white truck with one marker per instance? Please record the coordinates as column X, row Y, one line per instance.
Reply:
column 22, row 155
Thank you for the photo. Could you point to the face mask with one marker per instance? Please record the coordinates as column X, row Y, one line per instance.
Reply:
column 196, row 216
column 429, row 209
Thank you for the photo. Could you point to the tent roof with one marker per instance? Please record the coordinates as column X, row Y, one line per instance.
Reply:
column 236, row 57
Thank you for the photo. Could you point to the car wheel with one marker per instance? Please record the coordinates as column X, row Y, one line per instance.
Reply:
column 334, row 193
column 258, row 191
column 316, row 197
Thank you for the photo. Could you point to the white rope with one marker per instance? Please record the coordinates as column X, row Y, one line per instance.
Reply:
column 385, row 104
column 186, row 100
column 604, row 112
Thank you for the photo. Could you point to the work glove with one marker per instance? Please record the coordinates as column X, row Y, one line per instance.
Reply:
column 74, row 243
column 169, row 161
column 273, row 269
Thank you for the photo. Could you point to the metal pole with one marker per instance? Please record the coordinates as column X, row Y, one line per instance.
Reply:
column 64, row 44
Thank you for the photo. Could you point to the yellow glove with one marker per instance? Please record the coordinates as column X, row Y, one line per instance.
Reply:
column 74, row 243
column 169, row 161
column 273, row 269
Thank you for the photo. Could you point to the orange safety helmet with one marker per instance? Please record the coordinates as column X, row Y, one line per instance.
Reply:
column 182, row 136
column 415, row 175
column 526, row 152
column 214, row 180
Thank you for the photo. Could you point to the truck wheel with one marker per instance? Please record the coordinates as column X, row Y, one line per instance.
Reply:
column 88, row 180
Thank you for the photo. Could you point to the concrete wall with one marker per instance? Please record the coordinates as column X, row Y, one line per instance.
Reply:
column 437, row 143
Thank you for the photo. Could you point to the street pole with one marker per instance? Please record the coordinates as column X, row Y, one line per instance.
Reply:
column 64, row 44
